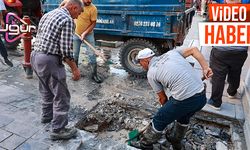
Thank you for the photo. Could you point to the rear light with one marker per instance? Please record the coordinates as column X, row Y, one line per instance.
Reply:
column 11, row 1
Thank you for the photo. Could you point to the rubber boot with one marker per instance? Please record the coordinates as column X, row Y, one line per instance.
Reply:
column 94, row 74
column 177, row 135
column 147, row 139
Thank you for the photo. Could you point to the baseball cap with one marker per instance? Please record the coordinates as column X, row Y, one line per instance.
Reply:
column 145, row 53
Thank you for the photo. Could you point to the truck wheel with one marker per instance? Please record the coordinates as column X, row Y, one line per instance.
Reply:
column 128, row 55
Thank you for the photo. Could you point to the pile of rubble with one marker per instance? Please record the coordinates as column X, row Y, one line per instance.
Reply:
column 116, row 114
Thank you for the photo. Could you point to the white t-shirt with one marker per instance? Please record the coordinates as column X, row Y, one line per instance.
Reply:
column 173, row 72
column 2, row 6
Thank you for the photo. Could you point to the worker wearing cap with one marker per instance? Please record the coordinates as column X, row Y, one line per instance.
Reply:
column 187, row 94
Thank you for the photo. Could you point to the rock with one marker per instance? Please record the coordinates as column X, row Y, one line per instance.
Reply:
column 126, row 121
column 188, row 146
column 221, row 146
column 109, row 136
column 122, row 98
column 117, row 95
column 214, row 133
column 92, row 128
column 144, row 122
column 235, row 137
column 203, row 147
column 197, row 139
column 237, row 145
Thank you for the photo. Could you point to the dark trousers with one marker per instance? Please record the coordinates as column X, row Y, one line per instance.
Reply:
column 225, row 63
column 3, row 50
column 181, row 111
column 53, row 88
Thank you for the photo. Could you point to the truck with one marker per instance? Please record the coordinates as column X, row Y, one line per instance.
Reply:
column 156, row 24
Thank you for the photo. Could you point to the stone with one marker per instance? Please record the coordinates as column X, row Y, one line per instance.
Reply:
column 71, row 144
column 122, row 98
column 117, row 95
column 5, row 120
column 221, row 146
column 215, row 133
column 92, row 128
column 16, row 94
column 12, row 142
column 238, row 145
column 22, row 129
column 109, row 136
column 4, row 134
column 32, row 144
column 235, row 137
column 144, row 122
column 203, row 147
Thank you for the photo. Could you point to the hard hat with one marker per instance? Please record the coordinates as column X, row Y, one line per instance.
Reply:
column 145, row 53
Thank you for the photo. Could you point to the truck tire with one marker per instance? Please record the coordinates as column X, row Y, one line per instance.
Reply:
column 128, row 55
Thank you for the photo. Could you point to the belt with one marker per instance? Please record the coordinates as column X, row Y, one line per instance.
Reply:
column 201, row 93
column 43, row 52
column 58, row 56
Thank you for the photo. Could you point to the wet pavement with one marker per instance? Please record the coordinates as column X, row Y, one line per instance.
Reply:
column 20, row 105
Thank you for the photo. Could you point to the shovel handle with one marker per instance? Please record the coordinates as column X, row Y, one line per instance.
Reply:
column 98, row 53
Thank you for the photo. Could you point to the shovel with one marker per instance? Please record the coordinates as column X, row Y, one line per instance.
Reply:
column 134, row 134
column 98, row 53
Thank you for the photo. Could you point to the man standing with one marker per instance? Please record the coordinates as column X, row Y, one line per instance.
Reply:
column 85, row 24
column 226, row 61
column 54, row 44
column 173, row 72
column 3, row 50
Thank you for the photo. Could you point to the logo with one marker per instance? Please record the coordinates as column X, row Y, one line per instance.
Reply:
column 15, row 27
column 229, row 25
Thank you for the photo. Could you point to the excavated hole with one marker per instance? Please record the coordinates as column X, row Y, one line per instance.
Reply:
column 114, row 115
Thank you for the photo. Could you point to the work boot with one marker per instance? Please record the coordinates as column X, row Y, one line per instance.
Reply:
column 8, row 62
column 46, row 120
column 63, row 134
column 94, row 74
column 177, row 135
column 147, row 139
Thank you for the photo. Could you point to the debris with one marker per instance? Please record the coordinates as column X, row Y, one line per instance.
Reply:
column 221, row 146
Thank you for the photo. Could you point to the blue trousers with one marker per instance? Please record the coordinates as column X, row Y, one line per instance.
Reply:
column 181, row 111
column 77, row 44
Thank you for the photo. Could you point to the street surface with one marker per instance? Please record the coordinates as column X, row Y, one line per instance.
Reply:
column 120, row 104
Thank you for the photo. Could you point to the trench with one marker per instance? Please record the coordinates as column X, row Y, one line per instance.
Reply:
column 115, row 116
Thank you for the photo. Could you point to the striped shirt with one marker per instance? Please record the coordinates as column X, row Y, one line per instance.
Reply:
column 55, row 34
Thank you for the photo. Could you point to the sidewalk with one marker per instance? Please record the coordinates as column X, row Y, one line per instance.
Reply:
column 231, row 108
column 20, row 126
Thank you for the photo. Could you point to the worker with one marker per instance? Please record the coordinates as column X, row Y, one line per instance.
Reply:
column 187, row 94
column 226, row 61
column 3, row 50
column 54, row 44
column 85, row 24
